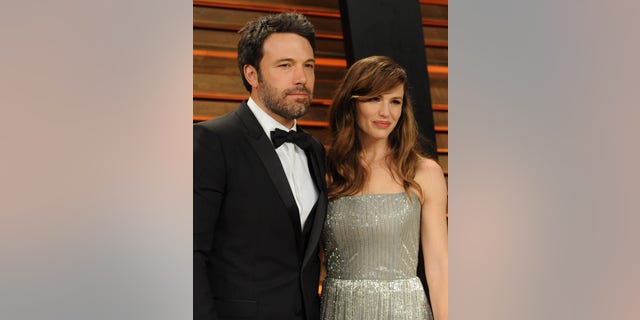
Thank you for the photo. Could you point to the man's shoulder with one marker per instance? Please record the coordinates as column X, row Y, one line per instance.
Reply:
column 227, row 124
column 217, row 123
column 315, row 142
column 222, row 128
column 317, row 146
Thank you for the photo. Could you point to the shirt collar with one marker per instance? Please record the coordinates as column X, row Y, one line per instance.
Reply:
column 267, row 123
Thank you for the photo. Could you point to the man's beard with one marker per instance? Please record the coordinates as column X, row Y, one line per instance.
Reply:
column 279, row 105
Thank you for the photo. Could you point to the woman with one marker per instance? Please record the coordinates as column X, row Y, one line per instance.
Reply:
column 385, row 199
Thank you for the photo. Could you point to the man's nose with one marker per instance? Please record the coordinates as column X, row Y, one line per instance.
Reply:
column 300, row 77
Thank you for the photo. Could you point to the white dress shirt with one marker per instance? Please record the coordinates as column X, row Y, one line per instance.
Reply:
column 294, row 163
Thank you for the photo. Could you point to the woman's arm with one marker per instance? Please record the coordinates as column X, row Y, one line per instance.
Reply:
column 433, row 235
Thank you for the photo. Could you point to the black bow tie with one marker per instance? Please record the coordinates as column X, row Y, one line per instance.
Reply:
column 301, row 139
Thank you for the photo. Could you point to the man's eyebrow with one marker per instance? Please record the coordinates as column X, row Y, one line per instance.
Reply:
column 291, row 60
column 283, row 60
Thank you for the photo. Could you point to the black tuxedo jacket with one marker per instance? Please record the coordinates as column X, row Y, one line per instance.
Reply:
column 252, row 259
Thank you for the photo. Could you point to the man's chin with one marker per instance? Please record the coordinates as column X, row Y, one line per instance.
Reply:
column 300, row 111
column 300, row 103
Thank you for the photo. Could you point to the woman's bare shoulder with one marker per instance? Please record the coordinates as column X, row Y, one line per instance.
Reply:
column 427, row 166
column 430, row 177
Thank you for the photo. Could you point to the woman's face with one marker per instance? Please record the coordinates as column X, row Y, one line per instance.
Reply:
column 376, row 117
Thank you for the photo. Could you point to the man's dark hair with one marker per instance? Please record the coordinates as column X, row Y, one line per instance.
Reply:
column 253, row 34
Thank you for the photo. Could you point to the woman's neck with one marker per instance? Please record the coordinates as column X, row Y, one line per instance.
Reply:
column 375, row 152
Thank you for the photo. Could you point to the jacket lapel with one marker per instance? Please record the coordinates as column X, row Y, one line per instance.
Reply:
column 314, row 166
column 267, row 153
column 316, row 163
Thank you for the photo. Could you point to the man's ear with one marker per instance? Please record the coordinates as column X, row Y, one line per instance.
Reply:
column 251, row 74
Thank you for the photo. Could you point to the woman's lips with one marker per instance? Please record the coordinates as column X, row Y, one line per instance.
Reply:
column 382, row 124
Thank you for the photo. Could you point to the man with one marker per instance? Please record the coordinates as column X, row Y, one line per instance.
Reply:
column 259, row 192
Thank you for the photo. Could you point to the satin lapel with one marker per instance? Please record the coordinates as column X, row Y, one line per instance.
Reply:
column 314, row 168
column 264, row 148
column 316, row 229
column 321, row 208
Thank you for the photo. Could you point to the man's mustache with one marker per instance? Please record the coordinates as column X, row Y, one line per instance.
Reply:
column 297, row 90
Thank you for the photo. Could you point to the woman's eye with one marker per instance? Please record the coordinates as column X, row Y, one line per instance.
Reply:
column 399, row 102
column 374, row 99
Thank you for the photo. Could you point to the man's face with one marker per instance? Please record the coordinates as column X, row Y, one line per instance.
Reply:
column 286, row 77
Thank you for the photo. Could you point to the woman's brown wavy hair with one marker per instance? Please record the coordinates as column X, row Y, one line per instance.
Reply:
column 370, row 77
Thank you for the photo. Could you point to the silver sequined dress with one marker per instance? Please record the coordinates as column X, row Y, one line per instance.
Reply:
column 371, row 250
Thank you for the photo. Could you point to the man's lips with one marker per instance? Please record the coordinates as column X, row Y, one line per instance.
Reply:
column 297, row 92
